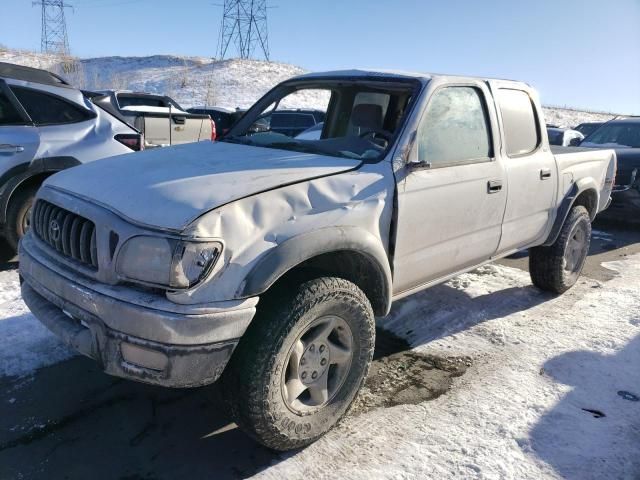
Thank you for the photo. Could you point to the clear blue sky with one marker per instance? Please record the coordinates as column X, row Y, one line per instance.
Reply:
column 581, row 53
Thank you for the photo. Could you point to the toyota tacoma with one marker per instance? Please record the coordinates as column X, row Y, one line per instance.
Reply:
column 261, row 260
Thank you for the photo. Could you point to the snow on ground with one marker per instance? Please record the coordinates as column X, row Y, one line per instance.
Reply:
column 194, row 81
column 517, row 412
column 25, row 344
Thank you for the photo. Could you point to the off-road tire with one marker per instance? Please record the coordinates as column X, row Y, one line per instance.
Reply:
column 547, row 264
column 252, row 380
column 19, row 207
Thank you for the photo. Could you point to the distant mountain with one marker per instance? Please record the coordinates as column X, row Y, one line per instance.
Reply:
column 195, row 81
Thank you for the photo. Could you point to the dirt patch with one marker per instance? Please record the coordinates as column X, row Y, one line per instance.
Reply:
column 402, row 376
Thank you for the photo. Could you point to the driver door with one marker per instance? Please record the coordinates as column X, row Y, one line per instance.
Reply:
column 452, row 192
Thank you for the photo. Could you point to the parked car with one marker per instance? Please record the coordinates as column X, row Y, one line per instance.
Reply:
column 564, row 136
column 623, row 135
column 588, row 128
column 263, row 258
column 162, row 121
column 224, row 118
column 46, row 126
column 292, row 122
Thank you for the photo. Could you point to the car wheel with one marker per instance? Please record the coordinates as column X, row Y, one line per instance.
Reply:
column 19, row 215
column 556, row 268
column 300, row 365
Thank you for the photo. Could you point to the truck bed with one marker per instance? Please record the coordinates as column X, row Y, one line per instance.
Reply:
column 586, row 164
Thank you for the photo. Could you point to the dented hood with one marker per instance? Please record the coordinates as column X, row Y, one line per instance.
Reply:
column 170, row 187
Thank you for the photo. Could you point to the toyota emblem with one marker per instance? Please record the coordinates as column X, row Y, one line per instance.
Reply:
column 54, row 230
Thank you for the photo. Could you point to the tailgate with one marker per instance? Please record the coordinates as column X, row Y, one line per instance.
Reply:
column 159, row 130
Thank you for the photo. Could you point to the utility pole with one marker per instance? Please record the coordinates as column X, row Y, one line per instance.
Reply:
column 244, row 24
column 54, row 38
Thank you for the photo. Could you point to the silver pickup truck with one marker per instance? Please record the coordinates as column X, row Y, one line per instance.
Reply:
column 263, row 259
column 159, row 118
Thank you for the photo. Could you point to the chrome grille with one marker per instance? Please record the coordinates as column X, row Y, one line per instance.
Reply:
column 70, row 234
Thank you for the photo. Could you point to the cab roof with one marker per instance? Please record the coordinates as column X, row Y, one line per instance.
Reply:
column 397, row 74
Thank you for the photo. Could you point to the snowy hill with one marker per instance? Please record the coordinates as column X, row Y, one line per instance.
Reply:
column 200, row 80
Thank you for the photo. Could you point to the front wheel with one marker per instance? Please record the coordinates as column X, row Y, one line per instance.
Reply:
column 19, row 215
column 301, row 364
column 556, row 268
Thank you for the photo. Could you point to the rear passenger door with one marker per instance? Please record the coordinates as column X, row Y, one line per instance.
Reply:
column 19, row 139
column 64, row 127
column 449, row 209
column 531, row 169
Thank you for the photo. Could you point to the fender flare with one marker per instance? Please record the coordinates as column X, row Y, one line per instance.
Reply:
column 578, row 188
column 19, row 174
column 296, row 250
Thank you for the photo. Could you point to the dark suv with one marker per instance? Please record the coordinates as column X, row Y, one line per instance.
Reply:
column 293, row 122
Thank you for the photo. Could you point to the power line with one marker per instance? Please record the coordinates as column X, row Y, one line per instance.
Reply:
column 54, row 37
column 244, row 25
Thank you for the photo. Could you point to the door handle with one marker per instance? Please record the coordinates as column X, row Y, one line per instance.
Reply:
column 545, row 173
column 6, row 148
column 494, row 186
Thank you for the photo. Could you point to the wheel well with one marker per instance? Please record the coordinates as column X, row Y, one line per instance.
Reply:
column 350, row 265
column 33, row 181
column 589, row 200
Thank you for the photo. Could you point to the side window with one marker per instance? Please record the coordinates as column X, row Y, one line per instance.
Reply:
column 519, row 121
column 45, row 109
column 455, row 128
column 8, row 113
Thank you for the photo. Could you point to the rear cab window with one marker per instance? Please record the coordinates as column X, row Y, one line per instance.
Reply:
column 47, row 109
column 136, row 100
column 519, row 121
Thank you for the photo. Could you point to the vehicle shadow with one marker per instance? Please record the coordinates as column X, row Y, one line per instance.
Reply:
column 73, row 421
column 70, row 420
column 444, row 310
column 594, row 431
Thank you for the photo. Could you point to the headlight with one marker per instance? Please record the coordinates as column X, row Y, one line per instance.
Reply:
column 165, row 261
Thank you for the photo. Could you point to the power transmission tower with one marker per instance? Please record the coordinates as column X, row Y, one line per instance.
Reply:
column 244, row 24
column 54, row 27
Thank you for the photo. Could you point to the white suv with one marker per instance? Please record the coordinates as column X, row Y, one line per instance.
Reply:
column 46, row 125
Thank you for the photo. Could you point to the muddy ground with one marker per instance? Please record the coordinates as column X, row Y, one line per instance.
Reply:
column 72, row 421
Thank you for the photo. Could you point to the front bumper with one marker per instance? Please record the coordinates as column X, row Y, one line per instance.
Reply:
column 171, row 348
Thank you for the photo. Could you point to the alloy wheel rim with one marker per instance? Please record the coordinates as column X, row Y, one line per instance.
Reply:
column 26, row 221
column 317, row 364
column 575, row 251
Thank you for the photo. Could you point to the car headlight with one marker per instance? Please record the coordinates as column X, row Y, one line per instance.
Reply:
column 166, row 261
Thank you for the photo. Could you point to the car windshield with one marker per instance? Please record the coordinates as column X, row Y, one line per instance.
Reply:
column 359, row 119
column 556, row 136
column 587, row 128
column 616, row 135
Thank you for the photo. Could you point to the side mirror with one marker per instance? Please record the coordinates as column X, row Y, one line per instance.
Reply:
column 419, row 165
column 575, row 142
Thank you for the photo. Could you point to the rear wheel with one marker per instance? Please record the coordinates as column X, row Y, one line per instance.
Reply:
column 300, row 365
column 19, row 215
column 556, row 268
